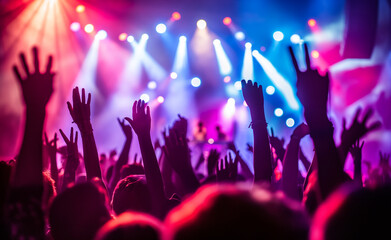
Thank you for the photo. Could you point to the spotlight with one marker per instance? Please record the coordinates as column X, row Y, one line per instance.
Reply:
column 80, row 8
column 227, row 21
column 160, row 99
column 216, row 42
column 315, row 54
column 196, row 82
column 231, row 101
column 255, row 52
column 144, row 97
column 182, row 38
column 270, row 90
column 161, row 28
column 238, row 85
column 175, row 16
column 211, row 141
column 201, row 24
column 89, row 28
column 295, row 38
column 239, row 36
column 75, row 26
column 144, row 36
column 278, row 112
column 278, row 36
column 227, row 79
column 248, row 45
column 312, row 22
column 173, row 75
column 152, row 85
column 101, row 34
column 290, row 122
column 122, row 36
column 130, row 38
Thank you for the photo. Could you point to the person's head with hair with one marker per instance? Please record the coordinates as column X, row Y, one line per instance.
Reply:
column 78, row 212
column 131, row 194
column 354, row 213
column 232, row 212
column 49, row 190
column 131, row 225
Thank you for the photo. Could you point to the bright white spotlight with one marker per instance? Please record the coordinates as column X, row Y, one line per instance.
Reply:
column 278, row 112
column 255, row 52
column 161, row 28
column 75, row 26
column 238, row 85
column 130, row 39
column 201, row 24
column 173, row 75
column 211, row 141
column 196, row 82
column 295, row 38
column 248, row 64
column 248, row 45
column 239, row 36
column 278, row 36
column 216, row 42
column 144, row 36
column 290, row 122
column 225, row 66
column 270, row 90
column 231, row 101
column 182, row 38
column 144, row 97
column 89, row 28
column 152, row 85
column 160, row 99
column 229, row 108
column 101, row 34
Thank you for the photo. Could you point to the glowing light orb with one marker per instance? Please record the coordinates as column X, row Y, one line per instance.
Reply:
column 295, row 38
column 278, row 36
column 239, row 36
column 161, row 28
column 182, row 38
column 270, row 90
column 175, row 16
column 89, row 28
column 130, row 39
column 160, row 99
column 211, row 141
column 152, row 85
column 227, row 79
column 248, row 45
column 255, row 52
column 173, row 75
column 144, row 97
column 122, row 36
column 238, row 85
column 290, row 122
column 315, row 54
column 201, row 24
column 101, row 34
column 312, row 22
column 75, row 26
column 80, row 8
column 278, row 112
column 227, row 21
column 263, row 48
column 196, row 82
column 216, row 42
column 145, row 36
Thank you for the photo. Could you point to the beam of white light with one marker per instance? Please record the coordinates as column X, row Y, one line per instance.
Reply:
column 225, row 65
column 279, row 81
column 248, row 68
column 181, row 62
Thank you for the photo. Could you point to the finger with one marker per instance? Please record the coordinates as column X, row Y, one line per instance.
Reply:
column 272, row 131
column 17, row 74
column 367, row 115
column 36, row 60
column 256, row 84
column 358, row 111
column 226, row 161
column 374, row 126
column 76, row 97
column 344, row 123
column 66, row 140
column 307, row 56
column 89, row 99
column 49, row 65
column 70, row 108
column 55, row 140
column 76, row 135
column 243, row 83
column 362, row 144
column 119, row 121
column 24, row 63
column 134, row 109
column 46, row 139
column 71, row 136
column 148, row 111
column 83, row 96
column 294, row 61
column 130, row 121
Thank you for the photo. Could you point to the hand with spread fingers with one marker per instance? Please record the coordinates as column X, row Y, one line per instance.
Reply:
column 141, row 122
column 72, row 150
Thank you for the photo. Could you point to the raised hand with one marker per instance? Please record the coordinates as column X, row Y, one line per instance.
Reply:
column 36, row 87
column 72, row 150
column 141, row 122
column 228, row 169
column 80, row 111
column 384, row 160
column 212, row 160
column 180, row 126
column 312, row 88
column 301, row 131
column 253, row 95
column 126, row 129
column 51, row 146
column 356, row 151
column 278, row 145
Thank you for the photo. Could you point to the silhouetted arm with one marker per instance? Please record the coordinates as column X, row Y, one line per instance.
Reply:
column 356, row 151
column 51, row 147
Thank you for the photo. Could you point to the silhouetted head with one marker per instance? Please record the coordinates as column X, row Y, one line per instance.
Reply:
column 354, row 213
column 133, row 169
column 231, row 212
column 131, row 193
column 131, row 225
column 78, row 212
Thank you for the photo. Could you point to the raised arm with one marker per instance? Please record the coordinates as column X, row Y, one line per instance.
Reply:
column 73, row 161
column 253, row 96
column 356, row 151
column 51, row 148
column 80, row 112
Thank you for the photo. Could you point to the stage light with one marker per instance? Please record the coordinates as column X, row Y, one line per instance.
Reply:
column 144, row 97
column 161, row 28
column 248, row 64
column 227, row 79
column 122, row 36
column 231, row 101
column 255, row 52
column 315, row 54
column 152, row 85
column 238, row 85
column 201, row 24
column 270, row 90
column 144, row 36
column 295, row 38
column 130, row 39
column 248, row 45
column 216, row 41
column 101, row 34
column 290, row 122
column 278, row 112
column 227, row 21
column 182, row 38
column 278, row 36
column 225, row 66
column 175, row 16
column 229, row 109
column 80, row 8
column 312, row 22
column 173, row 75
column 75, row 26
column 196, row 82
column 89, row 28
column 239, row 36
column 160, row 99
column 211, row 141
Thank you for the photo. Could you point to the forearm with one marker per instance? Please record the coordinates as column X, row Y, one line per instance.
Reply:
column 304, row 160
column 91, row 158
column 54, row 169
column 122, row 160
column 358, row 172
column 291, row 169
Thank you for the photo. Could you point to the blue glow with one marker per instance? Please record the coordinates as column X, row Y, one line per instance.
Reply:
column 290, row 122
column 278, row 36
column 225, row 65
column 161, row 28
column 278, row 112
column 196, row 82
column 239, row 36
column 181, row 62
column 248, row 65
